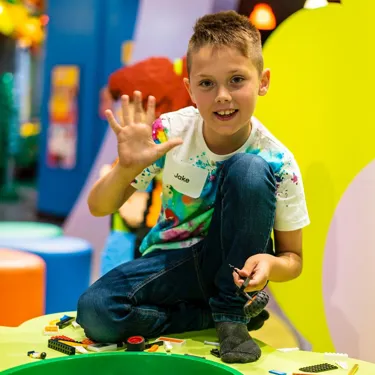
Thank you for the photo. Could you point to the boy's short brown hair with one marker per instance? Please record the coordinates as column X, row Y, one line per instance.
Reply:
column 229, row 29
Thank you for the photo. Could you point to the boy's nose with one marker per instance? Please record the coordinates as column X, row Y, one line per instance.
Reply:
column 223, row 96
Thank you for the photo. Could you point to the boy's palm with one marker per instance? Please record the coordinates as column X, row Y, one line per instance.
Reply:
column 136, row 147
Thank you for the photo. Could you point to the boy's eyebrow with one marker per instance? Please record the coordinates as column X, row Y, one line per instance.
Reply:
column 230, row 72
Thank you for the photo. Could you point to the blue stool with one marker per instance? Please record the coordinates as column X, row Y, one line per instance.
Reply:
column 68, row 267
column 27, row 230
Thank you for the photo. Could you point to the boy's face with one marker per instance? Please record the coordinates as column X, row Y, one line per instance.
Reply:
column 223, row 79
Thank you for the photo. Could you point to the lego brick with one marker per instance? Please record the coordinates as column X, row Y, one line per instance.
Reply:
column 61, row 347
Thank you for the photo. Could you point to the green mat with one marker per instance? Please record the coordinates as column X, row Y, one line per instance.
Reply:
column 11, row 230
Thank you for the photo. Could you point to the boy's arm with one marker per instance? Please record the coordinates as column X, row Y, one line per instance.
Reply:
column 138, row 149
column 111, row 191
column 291, row 216
column 287, row 264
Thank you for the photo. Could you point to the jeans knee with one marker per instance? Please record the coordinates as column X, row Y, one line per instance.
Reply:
column 250, row 171
column 95, row 317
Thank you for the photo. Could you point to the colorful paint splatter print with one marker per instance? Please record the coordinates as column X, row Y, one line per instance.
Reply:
column 184, row 220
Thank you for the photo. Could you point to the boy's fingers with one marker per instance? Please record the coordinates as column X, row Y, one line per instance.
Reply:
column 243, row 272
column 257, row 283
column 112, row 121
column 138, row 110
column 125, row 110
column 237, row 280
column 151, row 103
column 164, row 147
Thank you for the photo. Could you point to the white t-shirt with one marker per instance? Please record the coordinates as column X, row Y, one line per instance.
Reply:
column 190, row 181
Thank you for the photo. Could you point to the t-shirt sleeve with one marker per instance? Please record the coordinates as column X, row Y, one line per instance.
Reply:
column 291, row 208
column 160, row 131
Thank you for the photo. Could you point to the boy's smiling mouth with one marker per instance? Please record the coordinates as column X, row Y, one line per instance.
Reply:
column 226, row 115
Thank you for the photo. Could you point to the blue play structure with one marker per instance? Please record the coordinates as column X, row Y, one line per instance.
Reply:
column 88, row 34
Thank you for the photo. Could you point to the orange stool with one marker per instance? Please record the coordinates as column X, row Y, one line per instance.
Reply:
column 22, row 287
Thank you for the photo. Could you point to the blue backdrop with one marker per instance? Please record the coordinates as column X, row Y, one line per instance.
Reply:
column 89, row 34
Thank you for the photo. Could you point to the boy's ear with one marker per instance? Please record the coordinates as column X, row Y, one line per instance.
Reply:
column 188, row 88
column 264, row 82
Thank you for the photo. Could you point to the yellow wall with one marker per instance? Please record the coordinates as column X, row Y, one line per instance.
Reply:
column 320, row 105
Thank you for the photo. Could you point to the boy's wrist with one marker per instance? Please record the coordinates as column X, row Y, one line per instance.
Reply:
column 127, row 173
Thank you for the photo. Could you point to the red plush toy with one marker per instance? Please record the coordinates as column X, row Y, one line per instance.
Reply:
column 157, row 76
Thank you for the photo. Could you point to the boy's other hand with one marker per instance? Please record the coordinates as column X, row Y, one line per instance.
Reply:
column 258, row 266
column 135, row 145
column 133, row 210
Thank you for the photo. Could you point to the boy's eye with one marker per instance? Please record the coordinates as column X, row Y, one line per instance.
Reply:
column 237, row 79
column 205, row 83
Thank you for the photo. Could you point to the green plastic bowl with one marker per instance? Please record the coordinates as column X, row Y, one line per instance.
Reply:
column 123, row 363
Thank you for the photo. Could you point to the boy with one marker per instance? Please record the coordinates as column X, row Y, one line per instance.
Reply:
column 227, row 183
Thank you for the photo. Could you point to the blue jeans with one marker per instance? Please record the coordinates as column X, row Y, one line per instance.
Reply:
column 174, row 291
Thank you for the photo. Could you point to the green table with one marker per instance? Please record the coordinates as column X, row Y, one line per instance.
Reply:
column 16, row 342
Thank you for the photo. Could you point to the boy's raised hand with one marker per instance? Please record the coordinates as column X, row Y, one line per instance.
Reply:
column 135, row 145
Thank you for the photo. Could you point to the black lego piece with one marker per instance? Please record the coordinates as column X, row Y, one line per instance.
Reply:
column 319, row 368
column 65, row 322
column 61, row 347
